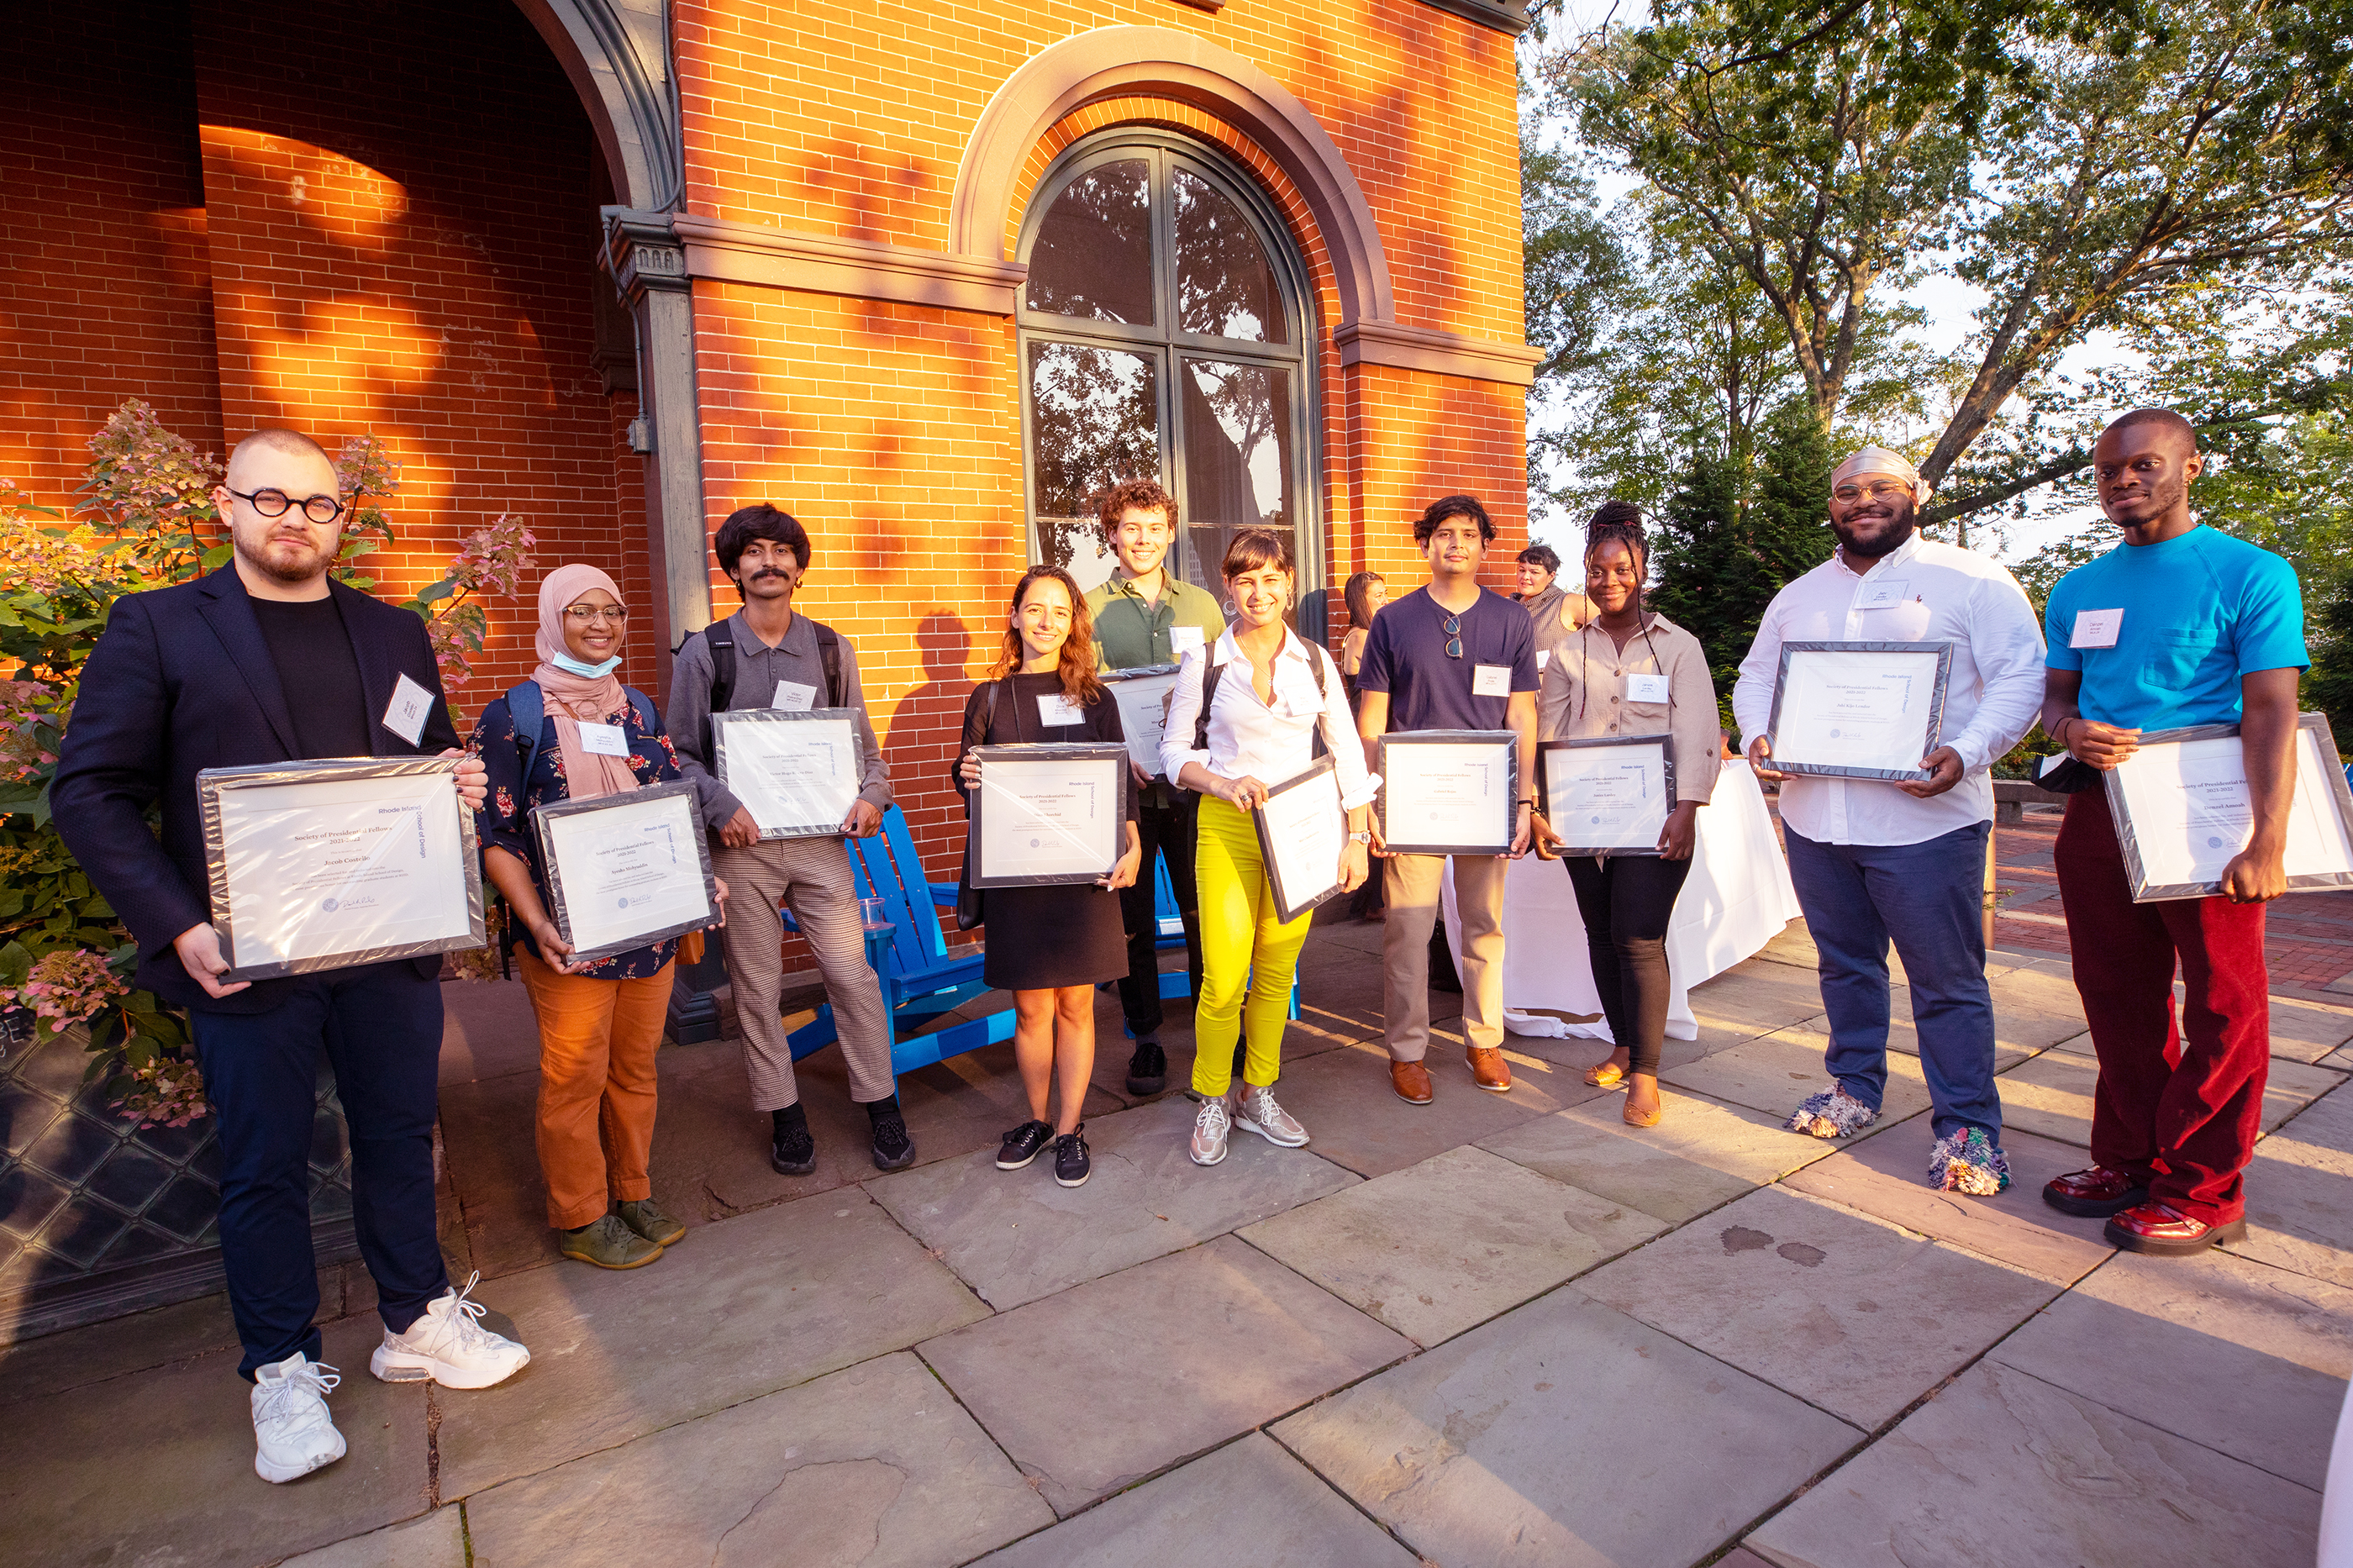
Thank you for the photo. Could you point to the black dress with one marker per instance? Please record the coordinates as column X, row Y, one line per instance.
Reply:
column 1039, row 937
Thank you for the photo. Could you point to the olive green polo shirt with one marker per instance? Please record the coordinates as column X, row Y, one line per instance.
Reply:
column 1130, row 633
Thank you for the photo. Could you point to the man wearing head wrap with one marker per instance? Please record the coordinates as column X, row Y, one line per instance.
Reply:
column 269, row 660
column 1875, row 861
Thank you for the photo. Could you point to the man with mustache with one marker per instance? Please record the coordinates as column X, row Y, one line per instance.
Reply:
column 2178, row 625
column 1874, row 861
column 765, row 656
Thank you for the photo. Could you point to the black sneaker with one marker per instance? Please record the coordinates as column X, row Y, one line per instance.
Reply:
column 1147, row 1071
column 1071, row 1161
column 893, row 1150
column 1023, row 1144
column 793, row 1152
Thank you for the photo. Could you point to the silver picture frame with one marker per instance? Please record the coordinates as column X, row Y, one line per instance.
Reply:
column 1936, row 656
column 727, row 763
column 1502, row 787
column 2321, row 789
column 1099, row 768
column 1662, row 746
column 1297, row 888
column 688, row 838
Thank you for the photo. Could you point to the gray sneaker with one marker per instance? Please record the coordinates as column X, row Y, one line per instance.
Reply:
column 646, row 1217
column 1262, row 1115
column 1210, row 1126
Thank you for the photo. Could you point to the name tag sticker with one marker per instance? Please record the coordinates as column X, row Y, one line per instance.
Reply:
column 1059, row 711
column 405, row 716
column 1881, row 595
column 1646, row 688
column 793, row 697
column 1183, row 640
column 1544, row 659
column 1490, row 681
column 2097, row 628
column 604, row 740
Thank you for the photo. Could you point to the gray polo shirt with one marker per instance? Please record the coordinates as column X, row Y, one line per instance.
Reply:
column 759, row 670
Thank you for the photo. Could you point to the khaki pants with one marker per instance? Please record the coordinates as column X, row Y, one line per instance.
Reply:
column 1411, row 885
column 812, row 877
column 595, row 1122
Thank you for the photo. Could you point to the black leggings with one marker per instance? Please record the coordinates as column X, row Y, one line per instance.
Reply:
column 1627, row 901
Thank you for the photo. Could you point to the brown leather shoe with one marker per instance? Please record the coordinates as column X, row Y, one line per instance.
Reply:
column 1488, row 1068
column 2094, row 1194
column 1412, row 1081
column 2164, row 1231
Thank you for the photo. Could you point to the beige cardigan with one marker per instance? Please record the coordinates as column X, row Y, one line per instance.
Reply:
column 1582, row 694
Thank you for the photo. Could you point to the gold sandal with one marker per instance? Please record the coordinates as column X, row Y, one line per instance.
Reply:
column 1634, row 1118
column 1606, row 1075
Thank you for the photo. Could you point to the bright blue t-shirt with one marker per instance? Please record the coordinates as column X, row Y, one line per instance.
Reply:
column 2199, row 612
column 1404, row 656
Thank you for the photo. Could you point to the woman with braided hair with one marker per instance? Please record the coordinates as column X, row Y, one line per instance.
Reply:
column 1631, row 672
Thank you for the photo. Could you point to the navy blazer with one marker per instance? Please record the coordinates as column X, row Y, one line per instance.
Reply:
column 183, row 681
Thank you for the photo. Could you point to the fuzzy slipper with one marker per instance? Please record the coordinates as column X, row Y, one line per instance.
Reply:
column 1832, row 1113
column 1968, row 1162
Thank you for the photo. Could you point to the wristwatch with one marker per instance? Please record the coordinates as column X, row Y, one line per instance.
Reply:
column 1360, row 838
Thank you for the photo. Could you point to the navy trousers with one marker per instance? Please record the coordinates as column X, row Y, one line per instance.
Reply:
column 381, row 1029
column 1930, row 899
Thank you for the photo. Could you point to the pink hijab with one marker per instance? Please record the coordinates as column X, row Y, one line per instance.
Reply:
column 573, row 697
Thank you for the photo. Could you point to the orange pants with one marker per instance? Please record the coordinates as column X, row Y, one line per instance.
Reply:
column 596, row 1045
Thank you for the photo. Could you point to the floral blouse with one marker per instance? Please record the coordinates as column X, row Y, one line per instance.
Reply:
column 504, row 820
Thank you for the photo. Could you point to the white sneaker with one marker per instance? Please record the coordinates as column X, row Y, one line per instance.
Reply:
column 1262, row 1115
column 447, row 1346
column 292, row 1433
column 1210, row 1129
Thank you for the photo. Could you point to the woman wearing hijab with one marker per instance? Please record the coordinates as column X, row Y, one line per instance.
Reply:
column 599, row 1022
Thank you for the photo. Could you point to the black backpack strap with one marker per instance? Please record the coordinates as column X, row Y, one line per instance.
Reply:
column 721, row 640
column 828, row 653
column 1209, row 675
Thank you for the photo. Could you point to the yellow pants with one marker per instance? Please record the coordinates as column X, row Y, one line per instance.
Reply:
column 1245, row 946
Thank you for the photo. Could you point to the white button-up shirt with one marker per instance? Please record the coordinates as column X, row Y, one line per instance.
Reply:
column 1250, row 738
column 1924, row 592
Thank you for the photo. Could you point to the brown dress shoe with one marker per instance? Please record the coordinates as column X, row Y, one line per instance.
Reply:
column 1489, row 1070
column 2164, row 1231
column 1412, row 1081
column 2094, row 1194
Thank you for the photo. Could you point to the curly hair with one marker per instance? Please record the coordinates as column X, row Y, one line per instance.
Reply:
column 1077, row 666
column 1112, row 501
column 1620, row 520
column 1444, row 507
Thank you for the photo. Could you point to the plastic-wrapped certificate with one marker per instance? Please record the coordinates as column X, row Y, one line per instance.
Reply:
column 1300, row 832
column 1607, row 795
column 2183, row 811
column 1142, row 698
column 796, row 773
column 1449, row 792
column 328, row 865
column 1046, row 814
column 625, row 870
column 1859, row 710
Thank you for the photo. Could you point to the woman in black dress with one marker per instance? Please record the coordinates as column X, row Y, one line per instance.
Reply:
column 1050, row 946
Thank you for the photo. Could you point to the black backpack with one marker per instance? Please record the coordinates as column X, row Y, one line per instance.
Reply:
column 722, row 644
column 1209, row 674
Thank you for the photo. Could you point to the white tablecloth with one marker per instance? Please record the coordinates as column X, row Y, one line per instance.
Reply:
column 1736, row 899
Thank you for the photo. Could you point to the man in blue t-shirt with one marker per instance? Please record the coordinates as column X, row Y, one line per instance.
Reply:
column 2177, row 625
column 1450, row 655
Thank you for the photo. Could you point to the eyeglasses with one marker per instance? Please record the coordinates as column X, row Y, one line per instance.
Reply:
column 582, row 613
column 1879, row 492
column 1452, row 627
column 274, row 503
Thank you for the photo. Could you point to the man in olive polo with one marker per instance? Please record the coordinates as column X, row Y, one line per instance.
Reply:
column 1144, row 615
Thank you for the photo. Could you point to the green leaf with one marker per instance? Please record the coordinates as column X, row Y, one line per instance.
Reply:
column 433, row 593
column 218, row 556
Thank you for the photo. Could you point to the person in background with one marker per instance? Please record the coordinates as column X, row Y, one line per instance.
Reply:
column 600, row 1022
column 1145, row 615
column 1243, row 717
column 1539, row 567
column 1050, row 946
column 2179, row 624
column 1631, row 672
column 1449, row 656
column 767, row 654
column 1366, row 593
column 1875, row 860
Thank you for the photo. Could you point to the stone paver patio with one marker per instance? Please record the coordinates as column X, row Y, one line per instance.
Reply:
column 1499, row 1329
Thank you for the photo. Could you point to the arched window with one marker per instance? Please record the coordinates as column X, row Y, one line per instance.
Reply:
column 1164, row 332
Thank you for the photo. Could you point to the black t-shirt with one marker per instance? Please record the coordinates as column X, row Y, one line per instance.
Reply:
column 320, row 675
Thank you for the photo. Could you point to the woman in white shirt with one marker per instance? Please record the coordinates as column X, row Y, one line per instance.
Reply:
column 1267, row 692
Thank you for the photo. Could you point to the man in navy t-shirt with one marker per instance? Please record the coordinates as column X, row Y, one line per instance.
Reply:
column 1451, row 656
column 2177, row 625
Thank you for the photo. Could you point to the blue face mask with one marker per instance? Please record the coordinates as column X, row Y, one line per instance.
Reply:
column 564, row 661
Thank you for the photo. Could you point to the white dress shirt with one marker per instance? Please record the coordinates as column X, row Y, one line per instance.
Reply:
column 1253, row 739
column 1920, row 592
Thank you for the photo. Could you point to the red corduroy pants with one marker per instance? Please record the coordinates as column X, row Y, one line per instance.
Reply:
column 2181, row 1107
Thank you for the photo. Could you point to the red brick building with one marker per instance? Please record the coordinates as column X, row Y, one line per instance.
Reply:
column 923, row 274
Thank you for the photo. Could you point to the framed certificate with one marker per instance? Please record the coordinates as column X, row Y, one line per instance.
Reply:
column 1859, row 710
column 1142, row 698
column 2182, row 812
column 329, row 865
column 625, row 870
column 1300, row 832
column 796, row 773
column 1607, row 795
column 1046, row 815
column 1449, row 791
